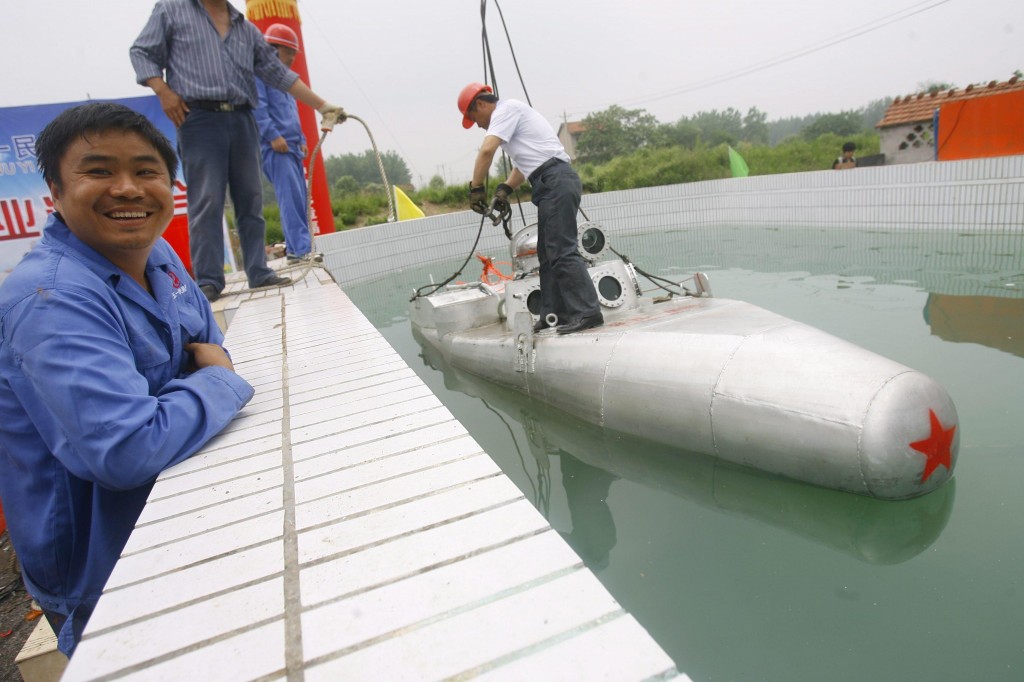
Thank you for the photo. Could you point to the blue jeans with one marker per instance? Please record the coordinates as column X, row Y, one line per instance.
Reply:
column 289, row 180
column 565, row 287
column 220, row 151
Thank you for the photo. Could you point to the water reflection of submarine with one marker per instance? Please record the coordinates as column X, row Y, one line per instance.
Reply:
column 870, row 530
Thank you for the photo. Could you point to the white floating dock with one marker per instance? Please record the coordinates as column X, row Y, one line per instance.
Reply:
column 347, row 527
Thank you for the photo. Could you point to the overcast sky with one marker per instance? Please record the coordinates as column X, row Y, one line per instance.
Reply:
column 399, row 64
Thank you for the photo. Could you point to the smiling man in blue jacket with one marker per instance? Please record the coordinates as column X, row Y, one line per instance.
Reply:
column 111, row 364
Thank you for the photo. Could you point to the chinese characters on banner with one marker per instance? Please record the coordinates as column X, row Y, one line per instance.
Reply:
column 25, row 199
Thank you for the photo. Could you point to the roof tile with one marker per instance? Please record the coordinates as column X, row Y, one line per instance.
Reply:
column 921, row 106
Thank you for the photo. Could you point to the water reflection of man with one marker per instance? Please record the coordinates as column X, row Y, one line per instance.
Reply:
column 593, row 527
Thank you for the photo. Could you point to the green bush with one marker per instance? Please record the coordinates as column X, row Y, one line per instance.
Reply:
column 272, row 217
column 647, row 167
column 650, row 167
column 457, row 196
column 351, row 209
column 653, row 167
column 445, row 195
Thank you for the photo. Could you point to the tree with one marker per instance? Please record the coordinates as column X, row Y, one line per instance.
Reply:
column 363, row 168
column 843, row 124
column 614, row 132
column 719, row 127
column 785, row 128
column 346, row 184
column 682, row 133
column 874, row 112
column 395, row 167
column 755, row 127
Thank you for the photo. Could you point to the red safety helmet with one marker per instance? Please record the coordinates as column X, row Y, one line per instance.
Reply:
column 279, row 34
column 466, row 97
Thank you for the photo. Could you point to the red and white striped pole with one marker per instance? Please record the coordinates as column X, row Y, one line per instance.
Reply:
column 263, row 13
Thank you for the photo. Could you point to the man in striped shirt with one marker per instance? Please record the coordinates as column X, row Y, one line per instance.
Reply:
column 211, row 55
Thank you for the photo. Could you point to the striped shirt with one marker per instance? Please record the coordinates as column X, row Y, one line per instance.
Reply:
column 181, row 39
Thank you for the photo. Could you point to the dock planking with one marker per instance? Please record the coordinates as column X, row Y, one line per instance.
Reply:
column 346, row 526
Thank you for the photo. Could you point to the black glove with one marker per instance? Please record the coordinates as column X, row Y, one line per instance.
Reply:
column 501, row 205
column 478, row 199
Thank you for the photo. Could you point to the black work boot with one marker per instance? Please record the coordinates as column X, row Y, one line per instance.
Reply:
column 581, row 323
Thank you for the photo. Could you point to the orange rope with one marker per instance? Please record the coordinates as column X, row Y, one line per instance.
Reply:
column 491, row 270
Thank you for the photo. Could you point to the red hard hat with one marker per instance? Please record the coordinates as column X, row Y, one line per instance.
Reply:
column 279, row 34
column 466, row 97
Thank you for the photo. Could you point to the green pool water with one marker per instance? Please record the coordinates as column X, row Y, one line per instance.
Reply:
column 741, row 576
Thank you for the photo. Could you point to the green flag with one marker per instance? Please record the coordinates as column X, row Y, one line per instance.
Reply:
column 738, row 165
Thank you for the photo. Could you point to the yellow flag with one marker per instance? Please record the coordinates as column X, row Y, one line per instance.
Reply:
column 404, row 206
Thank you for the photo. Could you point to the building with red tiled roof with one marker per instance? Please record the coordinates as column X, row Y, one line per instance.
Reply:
column 569, row 135
column 908, row 133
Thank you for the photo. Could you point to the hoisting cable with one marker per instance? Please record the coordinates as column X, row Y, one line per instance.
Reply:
column 513, row 51
column 490, row 77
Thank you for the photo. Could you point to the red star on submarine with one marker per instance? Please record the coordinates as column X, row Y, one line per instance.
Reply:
column 936, row 448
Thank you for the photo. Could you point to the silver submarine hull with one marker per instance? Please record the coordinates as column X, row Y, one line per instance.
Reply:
column 714, row 376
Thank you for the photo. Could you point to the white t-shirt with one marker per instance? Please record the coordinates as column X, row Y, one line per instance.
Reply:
column 525, row 135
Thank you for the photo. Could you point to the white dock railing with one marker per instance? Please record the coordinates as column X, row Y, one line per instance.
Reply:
column 345, row 526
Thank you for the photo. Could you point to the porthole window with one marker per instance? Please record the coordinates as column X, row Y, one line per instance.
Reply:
column 593, row 241
column 610, row 290
column 590, row 241
column 533, row 302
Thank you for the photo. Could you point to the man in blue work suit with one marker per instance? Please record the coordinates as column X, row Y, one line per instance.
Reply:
column 565, row 287
column 211, row 56
column 284, row 148
column 111, row 364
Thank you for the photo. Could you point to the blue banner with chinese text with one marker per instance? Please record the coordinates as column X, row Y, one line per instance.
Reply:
column 24, row 198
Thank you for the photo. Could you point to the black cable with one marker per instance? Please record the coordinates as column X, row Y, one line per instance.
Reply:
column 488, row 65
column 458, row 272
column 949, row 136
column 654, row 278
column 491, row 78
column 513, row 51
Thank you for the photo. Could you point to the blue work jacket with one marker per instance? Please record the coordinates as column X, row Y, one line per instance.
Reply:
column 277, row 116
column 96, row 399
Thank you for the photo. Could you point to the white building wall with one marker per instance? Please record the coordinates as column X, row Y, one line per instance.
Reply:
column 911, row 143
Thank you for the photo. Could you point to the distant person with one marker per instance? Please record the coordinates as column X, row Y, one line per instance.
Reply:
column 284, row 149
column 111, row 364
column 211, row 56
column 536, row 153
column 847, row 160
